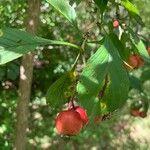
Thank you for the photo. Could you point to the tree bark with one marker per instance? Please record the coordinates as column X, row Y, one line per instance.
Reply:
column 25, row 83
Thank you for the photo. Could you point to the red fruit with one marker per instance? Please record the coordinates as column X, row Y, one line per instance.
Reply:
column 143, row 114
column 68, row 122
column 135, row 112
column 82, row 113
column 115, row 23
column 148, row 49
column 140, row 61
column 133, row 62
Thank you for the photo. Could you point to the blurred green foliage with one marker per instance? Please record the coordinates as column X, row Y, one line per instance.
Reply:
column 120, row 132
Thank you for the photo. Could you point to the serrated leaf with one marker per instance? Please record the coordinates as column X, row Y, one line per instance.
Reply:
column 56, row 92
column 65, row 9
column 140, row 46
column 91, row 79
column 14, row 43
column 130, row 7
column 117, row 91
column 124, row 53
column 102, row 4
column 106, row 60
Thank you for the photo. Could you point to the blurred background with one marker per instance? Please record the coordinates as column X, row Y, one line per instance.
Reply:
column 121, row 132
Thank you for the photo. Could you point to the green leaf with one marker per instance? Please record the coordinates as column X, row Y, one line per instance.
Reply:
column 117, row 92
column 102, row 4
column 56, row 94
column 140, row 46
column 65, row 9
column 106, row 60
column 13, row 71
column 92, row 77
column 135, row 83
column 133, row 11
column 130, row 7
column 2, row 73
column 124, row 53
column 14, row 43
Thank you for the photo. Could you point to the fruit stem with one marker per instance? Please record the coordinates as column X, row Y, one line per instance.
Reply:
column 128, row 65
column 71, row 98
column 75, row 63
column 71, row 103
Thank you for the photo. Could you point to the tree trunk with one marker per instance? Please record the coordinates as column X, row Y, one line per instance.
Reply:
column 25, row 83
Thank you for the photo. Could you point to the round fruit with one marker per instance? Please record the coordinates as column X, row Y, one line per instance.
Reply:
column 143, row 114
column 68, row 122
column 148, row 49
column 134, row 112
column 133, row 61
column 82, row 113
column 115, row 23
column 140, row 61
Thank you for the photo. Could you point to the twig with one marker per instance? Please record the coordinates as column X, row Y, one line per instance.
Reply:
column 102, row 92
column 75, row 63
column 71, row 98
column 83, row 47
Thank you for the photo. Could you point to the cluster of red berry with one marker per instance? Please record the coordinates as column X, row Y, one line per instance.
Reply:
column 138, row 113
column 139, row 108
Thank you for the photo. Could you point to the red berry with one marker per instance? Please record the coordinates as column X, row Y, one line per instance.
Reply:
column 140, row 61
column 115, row 23
column 82, row 113
column 135, row 61
column 143, row 114
column 135, row 112
column 69, row 122
column 148, row 49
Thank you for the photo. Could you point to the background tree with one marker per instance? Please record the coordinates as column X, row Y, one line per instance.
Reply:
column 26, row 72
